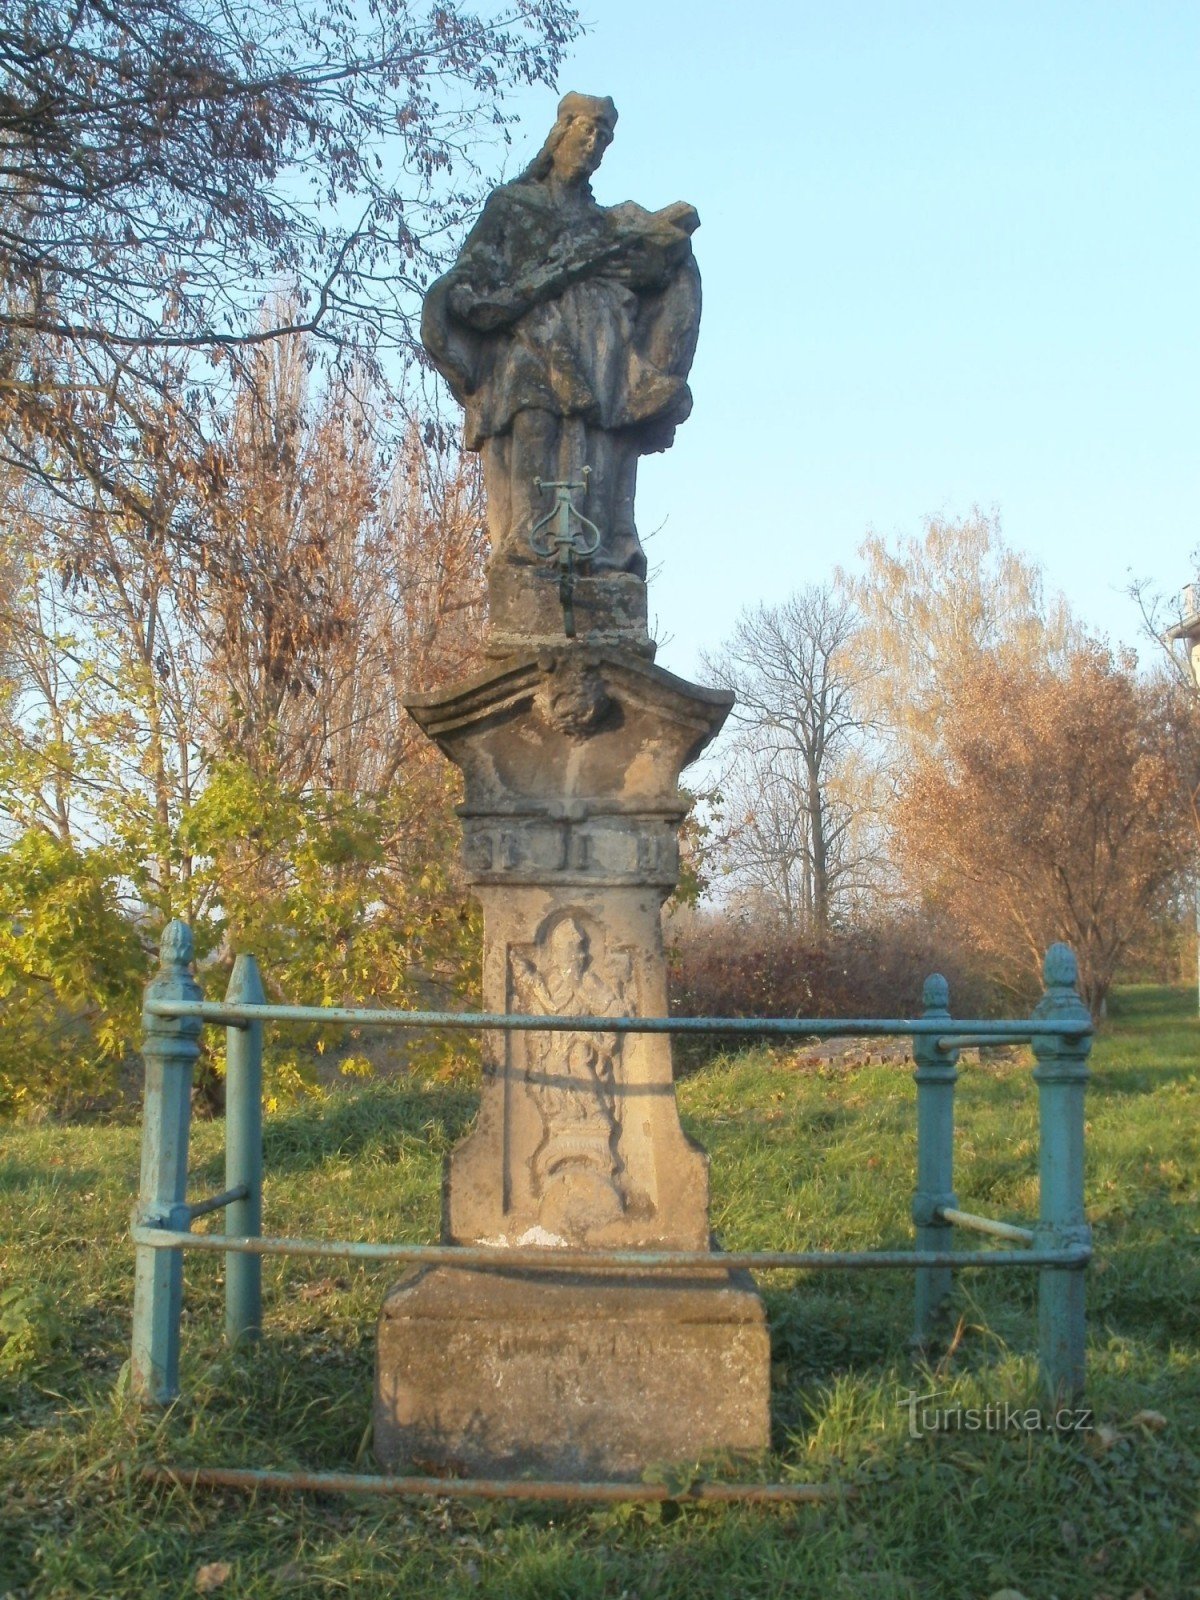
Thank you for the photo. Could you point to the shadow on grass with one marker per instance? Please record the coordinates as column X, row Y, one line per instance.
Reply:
column 1148, row 1288
column 18, row 1175
column 1144, row 1080
column 1148, row 1003
column 379, row 1120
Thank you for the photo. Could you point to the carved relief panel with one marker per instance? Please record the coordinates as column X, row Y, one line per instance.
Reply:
column 573, row 1083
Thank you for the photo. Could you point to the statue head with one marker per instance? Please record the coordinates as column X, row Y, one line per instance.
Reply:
column 575, row 145
column 568, row 948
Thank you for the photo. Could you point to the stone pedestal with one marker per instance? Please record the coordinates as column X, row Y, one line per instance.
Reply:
column 568, row 1376
column 571, row 757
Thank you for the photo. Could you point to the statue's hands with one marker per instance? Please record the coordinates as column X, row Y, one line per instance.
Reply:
column 647, row 260
column 486, row 309
column 634, row 247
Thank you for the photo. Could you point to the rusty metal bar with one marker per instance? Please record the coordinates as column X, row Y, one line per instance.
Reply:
column 988, row 1225
column 539, row 1258
column 492, row 1488
column 474, row 1021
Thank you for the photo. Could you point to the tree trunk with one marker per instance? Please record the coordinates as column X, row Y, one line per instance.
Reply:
column 820, row 857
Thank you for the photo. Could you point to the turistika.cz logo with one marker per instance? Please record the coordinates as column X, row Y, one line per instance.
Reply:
column 926, row 1416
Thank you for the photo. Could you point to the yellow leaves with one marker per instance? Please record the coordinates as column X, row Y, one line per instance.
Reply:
column 356, row 1066
column 71, row 970
column 229, row 726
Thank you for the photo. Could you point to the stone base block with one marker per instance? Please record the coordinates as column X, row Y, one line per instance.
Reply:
column 592, row 1375
column 526, row 612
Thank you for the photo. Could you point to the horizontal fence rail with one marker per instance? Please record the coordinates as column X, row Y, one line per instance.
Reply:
column 175, row 1011
column 559, row 1258
column 969, row 1033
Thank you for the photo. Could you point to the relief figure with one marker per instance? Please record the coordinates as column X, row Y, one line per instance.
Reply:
column 574, row 1078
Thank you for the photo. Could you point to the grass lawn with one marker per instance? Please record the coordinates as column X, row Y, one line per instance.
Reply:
column 803, row 1158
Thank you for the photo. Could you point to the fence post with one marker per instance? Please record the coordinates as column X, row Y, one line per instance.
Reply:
column 170, row 1046
column 243, row 1153
column 936, row 1074
column 1061, row 1075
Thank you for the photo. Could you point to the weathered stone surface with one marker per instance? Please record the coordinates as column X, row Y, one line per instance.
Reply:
column 572, row 732
column 567, row 330
column 578, row 1138
column 526, row 612
column 591, row 1376
column 571, row 758
column 572, row 761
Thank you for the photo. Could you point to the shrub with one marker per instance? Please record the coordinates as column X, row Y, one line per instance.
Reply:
column 726, row 968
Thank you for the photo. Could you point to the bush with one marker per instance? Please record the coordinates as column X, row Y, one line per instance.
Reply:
column 30, row 1329
column 71, row 971
column 721, row 967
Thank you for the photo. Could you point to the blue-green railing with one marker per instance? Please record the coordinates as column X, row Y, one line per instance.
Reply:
column 1058, row 1246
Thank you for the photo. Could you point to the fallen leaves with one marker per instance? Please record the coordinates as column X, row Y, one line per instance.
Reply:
column 1106, row 1434
column 1151, row 1421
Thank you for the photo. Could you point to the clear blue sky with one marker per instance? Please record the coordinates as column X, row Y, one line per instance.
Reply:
column 951, row 255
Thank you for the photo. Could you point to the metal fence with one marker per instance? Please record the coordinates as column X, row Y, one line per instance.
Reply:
column 1057, row 1246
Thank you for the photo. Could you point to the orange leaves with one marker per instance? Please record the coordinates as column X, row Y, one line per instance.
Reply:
column 1052, row 808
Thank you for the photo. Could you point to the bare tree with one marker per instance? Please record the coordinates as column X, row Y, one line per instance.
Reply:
column 335, row 576
column 341, row 572
column 164, row 164
column 797, row 823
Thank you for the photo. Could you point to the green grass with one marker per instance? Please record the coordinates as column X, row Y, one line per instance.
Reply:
column 813, row 1158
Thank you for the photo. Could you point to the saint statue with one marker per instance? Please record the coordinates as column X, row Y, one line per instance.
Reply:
column 566, row 330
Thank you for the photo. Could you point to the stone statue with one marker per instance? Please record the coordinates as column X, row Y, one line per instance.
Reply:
column 566, row 329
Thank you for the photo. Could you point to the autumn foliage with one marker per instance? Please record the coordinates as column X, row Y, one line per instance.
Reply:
column 729, row 967
column 1052, row 807
column 166, row 165
column 216, row 731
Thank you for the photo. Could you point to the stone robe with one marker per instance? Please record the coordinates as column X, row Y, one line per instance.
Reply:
column 566, row 331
